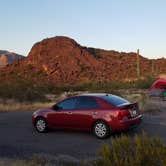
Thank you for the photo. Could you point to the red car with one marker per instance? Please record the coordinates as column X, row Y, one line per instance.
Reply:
column 97, row 112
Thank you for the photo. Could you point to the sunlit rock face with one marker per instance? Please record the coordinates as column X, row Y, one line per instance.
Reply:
column 62, row 60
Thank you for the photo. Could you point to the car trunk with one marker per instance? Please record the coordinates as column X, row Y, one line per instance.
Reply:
column 130, row 110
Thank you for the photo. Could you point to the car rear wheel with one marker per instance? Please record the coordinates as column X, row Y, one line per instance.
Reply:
column 101, row 129
column 41, row 125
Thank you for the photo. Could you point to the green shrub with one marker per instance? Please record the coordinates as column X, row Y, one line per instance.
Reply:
column 109, row 86
column 23, row 91
column 30, row 90
column 125, row 151
column 144, row 83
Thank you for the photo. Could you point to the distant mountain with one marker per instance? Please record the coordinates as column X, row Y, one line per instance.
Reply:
column 8, row 57
column 62, row 60
column 3, row 52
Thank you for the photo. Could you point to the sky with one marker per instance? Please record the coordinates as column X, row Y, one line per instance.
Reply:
column 121, row 25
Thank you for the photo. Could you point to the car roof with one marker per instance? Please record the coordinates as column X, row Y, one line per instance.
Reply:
column 95, row 94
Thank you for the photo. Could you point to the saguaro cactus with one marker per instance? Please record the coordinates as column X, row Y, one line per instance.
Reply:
column 138, row 64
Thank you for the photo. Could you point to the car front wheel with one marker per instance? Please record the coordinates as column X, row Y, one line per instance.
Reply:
column 41, row 125
column 101, row 130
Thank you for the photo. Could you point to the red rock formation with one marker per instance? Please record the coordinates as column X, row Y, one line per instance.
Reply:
column 63, row 60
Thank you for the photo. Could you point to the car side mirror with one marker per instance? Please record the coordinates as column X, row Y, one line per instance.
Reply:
column 56, row 108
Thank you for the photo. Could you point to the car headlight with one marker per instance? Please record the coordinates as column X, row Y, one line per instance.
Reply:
column 35, row 113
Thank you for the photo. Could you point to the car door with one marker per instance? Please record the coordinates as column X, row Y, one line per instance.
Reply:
column 82, row 115
column 60, row 117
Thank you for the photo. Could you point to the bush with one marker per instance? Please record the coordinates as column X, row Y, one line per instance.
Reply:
column 108, row 86
column 23, row 91
column 125, row 151
column 29, row 90
column 144, row 83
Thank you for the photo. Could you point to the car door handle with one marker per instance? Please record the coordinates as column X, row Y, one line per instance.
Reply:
column 94, row 113
column 69, row 112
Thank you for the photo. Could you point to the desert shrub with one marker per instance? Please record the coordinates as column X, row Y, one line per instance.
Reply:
column 29, row 90
column 144, row 83
column 125, row 151
column 109, row 86
column 23, row 91
column 93, row 52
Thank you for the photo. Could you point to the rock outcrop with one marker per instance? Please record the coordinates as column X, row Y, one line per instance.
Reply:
column 62, row 60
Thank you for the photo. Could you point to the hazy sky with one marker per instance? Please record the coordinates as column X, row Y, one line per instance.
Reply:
column 122, row 25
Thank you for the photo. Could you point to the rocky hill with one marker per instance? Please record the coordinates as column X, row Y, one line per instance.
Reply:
column 8, row 58
column 62, row 60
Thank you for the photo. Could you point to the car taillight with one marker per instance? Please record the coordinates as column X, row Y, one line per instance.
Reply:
column 122, row 114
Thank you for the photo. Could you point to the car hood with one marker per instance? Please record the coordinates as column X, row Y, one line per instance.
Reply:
column 42, row 110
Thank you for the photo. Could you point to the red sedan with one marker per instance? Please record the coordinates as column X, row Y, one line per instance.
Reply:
column 97, row 112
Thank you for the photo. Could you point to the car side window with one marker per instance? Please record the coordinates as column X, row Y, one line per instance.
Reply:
column 67, row 104
column 84, row 102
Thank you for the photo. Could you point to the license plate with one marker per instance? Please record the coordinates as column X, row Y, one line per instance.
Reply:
column 133, row 112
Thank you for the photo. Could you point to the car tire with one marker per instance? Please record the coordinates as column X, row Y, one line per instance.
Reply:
column 101, row 130
column 41, row 125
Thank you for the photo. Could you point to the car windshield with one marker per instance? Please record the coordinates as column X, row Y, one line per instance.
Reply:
column 115, row 100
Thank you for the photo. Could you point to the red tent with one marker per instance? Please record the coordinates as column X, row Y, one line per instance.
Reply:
column 159, row 84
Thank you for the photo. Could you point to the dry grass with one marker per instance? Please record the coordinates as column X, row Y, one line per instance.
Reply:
column 25, row 106
column 151, row 106
column 14, row 105
column 10, row 162
column 43, row 160
column 146, row 103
